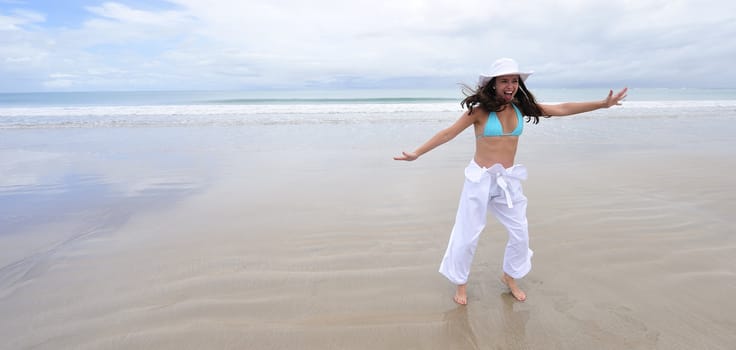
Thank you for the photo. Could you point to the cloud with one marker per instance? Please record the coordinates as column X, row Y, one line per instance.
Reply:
column 19, row 18
column 229, row 44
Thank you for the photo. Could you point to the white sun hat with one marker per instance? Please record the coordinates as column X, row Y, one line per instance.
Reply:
column 503, row 66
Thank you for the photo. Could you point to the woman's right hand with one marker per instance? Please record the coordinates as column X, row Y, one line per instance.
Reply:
column 408, row 156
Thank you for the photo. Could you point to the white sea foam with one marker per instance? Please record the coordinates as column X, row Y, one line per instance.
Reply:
column 223, row 110
column 244, row 114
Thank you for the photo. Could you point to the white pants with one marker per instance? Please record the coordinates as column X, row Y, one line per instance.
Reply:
column 496, row 190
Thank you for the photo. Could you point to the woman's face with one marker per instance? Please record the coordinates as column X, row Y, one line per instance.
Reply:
column 506, row 86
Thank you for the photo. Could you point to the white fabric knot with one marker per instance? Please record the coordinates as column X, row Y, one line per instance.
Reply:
column 499, row 175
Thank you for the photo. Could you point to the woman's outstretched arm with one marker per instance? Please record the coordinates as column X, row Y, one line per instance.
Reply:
column 570, row 108
column 441, row 137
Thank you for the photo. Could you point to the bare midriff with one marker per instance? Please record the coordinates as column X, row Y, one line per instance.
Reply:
column 496, row 150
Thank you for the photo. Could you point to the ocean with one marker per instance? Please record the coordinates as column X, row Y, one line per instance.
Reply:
column 182, row 108
column 62, row 153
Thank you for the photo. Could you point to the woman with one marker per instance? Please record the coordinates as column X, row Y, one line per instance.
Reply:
column 492, row 181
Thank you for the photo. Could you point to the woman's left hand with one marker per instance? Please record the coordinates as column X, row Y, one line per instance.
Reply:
column 615, row 100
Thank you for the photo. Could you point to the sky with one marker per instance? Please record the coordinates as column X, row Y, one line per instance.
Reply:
column 88, row 45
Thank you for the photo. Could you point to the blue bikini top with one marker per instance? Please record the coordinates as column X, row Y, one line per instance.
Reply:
column 494, row 127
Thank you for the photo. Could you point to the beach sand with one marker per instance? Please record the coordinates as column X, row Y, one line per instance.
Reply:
column 312, row 237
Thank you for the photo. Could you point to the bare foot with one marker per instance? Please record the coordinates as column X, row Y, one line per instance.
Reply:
column 515, row 291
column 460, row 296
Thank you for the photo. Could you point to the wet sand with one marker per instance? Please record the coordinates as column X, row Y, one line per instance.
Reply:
column 242, row 240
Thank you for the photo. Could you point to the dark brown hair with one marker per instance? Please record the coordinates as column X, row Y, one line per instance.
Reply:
column 485, row 97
